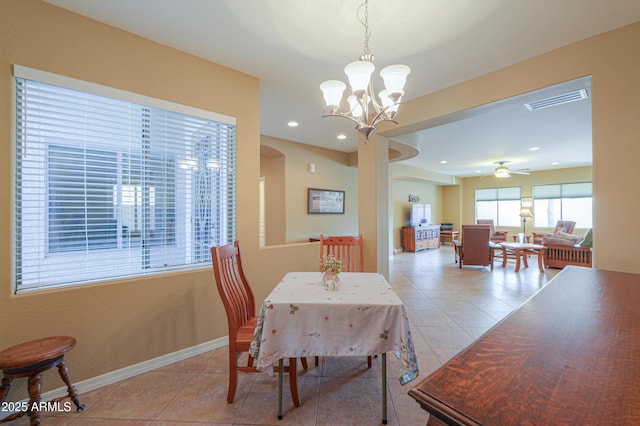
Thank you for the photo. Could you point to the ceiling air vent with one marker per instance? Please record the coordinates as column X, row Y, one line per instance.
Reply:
column 557, row 100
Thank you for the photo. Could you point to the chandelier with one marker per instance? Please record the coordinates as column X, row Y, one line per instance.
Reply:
column 364, row 109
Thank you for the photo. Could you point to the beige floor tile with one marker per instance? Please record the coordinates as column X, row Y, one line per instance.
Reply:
column 141, row 397
column 448, row 308
column 261, row 405
column 204, row 398
column 347, row 401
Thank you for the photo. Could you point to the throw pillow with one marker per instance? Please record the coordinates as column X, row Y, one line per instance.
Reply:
column 587, row 240
column 561, row 238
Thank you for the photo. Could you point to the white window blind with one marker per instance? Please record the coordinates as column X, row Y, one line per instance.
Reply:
column 500, row 204
column 565, row 201
column 565, row 190
column 109, row 188
column 496, row 194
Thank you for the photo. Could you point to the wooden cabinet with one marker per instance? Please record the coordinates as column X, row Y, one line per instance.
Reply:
column 420, row 237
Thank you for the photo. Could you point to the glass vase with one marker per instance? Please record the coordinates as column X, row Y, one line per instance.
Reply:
column 331, row 280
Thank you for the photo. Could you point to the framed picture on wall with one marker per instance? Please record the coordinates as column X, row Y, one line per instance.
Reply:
column 325, row 201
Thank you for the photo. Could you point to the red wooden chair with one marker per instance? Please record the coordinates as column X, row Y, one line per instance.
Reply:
column 349, row 250
column 239, row 304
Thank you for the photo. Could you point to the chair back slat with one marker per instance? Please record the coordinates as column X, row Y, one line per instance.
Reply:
column 235, row 292
column 347, row 249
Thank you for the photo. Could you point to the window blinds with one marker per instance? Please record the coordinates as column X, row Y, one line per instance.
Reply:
column 565, row 190
column 498, row 194
column 109, row 188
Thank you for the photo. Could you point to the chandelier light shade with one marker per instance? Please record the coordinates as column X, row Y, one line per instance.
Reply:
column 363, row 107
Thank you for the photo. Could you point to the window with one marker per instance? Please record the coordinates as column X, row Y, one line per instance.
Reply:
column 114, row 187
column 567, row 201
column 500, row 204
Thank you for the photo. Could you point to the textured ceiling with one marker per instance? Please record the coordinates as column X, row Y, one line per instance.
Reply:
column 294, row 45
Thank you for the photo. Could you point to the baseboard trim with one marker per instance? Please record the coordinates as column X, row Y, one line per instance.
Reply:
column 133, row 370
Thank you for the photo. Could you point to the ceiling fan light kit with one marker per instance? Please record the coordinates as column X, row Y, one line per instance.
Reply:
column 503, row 172
column 362, row 102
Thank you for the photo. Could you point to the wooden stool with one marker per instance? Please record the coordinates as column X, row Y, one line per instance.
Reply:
column 30, row 359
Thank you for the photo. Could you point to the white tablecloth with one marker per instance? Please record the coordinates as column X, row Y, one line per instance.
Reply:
column 364, row 317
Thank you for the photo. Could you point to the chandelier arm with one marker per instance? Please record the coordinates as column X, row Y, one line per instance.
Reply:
column 378, row 107
column 342, row 114
column 380, row 120
column 365, row 108
column 383, row 111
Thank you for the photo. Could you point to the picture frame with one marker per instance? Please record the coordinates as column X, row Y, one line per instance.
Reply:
column 325, row 201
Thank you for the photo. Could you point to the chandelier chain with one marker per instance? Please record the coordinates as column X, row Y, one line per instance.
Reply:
column 367, row 32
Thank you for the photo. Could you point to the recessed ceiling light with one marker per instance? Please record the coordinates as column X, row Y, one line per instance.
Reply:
column 477, row 171
column 534, row 148
column 341, row 136
column 292, row 124
column 555, row 163
column 443, row 162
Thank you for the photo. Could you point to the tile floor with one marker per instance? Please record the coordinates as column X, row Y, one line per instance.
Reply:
column 448, row 308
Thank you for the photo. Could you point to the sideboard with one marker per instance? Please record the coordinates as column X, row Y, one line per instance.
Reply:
column 416, row 238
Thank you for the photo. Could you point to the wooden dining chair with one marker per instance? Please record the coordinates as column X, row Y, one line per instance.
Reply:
column 348, row 250
column 239, row 304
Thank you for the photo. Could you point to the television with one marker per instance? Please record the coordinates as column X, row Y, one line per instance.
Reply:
column 420, row 214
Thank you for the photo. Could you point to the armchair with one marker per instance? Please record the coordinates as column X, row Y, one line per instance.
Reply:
column 496, row 236
column 476, row 247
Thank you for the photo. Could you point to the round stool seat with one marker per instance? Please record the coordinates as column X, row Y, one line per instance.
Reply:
column 30, row 359
column 35, row 351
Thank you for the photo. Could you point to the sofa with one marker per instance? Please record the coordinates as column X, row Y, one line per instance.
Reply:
column 562, row 250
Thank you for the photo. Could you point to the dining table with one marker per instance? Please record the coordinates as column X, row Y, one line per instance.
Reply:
column 567, row 356
column 364, row 316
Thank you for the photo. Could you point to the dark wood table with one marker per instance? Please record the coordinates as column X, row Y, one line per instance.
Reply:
column 570, row 355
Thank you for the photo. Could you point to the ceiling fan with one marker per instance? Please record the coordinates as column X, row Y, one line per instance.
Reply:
column 503, row 172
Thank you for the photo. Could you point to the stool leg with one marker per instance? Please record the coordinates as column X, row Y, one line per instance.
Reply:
column 4, row 389
column 35, row 389
column 66, row 378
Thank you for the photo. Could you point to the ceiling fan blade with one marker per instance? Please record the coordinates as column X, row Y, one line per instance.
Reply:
column 519, row 173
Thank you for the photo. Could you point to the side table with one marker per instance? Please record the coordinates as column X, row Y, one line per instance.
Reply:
column 448, row 236
column 31, row 359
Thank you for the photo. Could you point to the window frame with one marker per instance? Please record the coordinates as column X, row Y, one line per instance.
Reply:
column 228, row 186
column 497, row 199
column 562, row 190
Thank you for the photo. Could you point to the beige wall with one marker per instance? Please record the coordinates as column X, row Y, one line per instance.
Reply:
column 400, row 190
column 613, row 64
column 272, row 170
column 332, row 171
column 121, row 323
column 525, row 182
column 452, row 205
